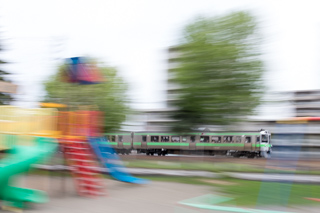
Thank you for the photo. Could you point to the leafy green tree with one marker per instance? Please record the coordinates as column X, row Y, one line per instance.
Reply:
column 218, row 71
column 108, row 96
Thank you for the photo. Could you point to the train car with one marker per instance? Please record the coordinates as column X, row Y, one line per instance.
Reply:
column 121, row 142
column 237, row 144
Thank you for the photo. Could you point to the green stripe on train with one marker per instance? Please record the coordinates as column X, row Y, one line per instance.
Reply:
column 137, row 143
column 167, row 144
column 186, row 134
column 261, row 145
column 226, row 133
column 216, row 144
column 126, row 143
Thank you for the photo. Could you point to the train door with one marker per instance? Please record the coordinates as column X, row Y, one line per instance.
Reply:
column 247, row 140
column 264, row 143
column 192, row 142
column 120, row 141
column 144, row 141
column 256, row 143
column 112, row 139
column 127, row 141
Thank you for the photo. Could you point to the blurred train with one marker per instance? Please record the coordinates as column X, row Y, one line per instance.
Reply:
column 237, row 144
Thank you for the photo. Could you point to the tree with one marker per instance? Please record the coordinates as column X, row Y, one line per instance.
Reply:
column 218, row 72
column 5, row 98
column 109, row 96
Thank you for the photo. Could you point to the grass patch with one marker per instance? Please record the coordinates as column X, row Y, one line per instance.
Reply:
column 253, row 193
column 257, row 193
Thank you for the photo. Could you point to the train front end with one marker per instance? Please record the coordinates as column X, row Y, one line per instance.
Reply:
column 265, row 143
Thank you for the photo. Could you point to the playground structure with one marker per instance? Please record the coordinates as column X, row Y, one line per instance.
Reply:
column 33, row 135
column 28, row 135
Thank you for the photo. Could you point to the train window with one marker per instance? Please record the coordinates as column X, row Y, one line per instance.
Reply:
column 144, row 138
column 204, row 139
column 216, row 139
column 193, row 138
column 164, row 138
column 264, row 138
column 154, row 138
column 227, row 139
column 184, row 139
column 238, row 139
column 258, row 138
column 248, row 139
column 113, row 138
column 120, row 138
column 175, row 139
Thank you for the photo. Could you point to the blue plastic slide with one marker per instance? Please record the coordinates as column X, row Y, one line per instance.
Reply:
column 112, row 162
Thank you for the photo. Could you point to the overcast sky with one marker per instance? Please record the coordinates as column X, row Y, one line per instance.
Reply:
column 134, row 36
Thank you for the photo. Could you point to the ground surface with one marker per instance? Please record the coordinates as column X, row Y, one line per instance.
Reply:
column 123, row 198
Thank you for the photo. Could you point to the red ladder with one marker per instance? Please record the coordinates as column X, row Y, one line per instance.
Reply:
column 88, row 180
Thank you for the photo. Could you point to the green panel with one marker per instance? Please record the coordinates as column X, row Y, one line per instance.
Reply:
column 167, row 144
column 222, row 144
column 137, row 143
column 126, row 143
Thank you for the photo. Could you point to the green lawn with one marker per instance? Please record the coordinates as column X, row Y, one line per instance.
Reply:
column 254, row 193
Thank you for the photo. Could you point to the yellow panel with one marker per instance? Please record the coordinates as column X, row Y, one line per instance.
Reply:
column 14, row 120
column 3, row 144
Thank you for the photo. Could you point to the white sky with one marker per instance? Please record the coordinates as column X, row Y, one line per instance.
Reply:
column 134, row 37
